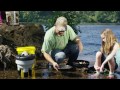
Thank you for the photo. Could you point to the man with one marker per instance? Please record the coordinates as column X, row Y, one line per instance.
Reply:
column 56, row 46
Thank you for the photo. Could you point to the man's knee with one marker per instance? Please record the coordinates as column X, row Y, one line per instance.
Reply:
column 60, row 56
column 74, row 49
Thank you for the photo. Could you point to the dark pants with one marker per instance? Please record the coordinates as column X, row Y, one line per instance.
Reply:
column 106, row 65
column 71, row 52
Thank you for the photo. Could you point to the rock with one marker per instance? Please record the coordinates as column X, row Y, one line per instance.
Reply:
column 6, row 57
column 22, row 35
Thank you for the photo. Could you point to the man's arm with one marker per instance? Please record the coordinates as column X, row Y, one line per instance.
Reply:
column 49, row 59
column 74, row 37
column 79, row 43
column 46, row 48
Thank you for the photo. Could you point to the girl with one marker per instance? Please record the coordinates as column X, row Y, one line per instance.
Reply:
column 106, row 57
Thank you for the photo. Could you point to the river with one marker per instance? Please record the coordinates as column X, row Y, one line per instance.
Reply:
column 90, row 36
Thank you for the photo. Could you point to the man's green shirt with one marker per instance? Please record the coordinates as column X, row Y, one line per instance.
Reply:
column 52, row 41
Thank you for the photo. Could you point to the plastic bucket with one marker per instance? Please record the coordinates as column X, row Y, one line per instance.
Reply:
column 29, row 49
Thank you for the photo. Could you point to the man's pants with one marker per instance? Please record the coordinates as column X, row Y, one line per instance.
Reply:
column 71, row 52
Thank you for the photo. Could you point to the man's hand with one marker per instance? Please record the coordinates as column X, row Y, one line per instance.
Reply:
column 49, row 58
column 55, row 66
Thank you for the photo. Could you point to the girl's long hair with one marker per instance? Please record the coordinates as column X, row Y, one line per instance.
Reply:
column 107, row 46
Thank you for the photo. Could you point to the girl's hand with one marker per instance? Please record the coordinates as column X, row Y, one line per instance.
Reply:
column 101, row 68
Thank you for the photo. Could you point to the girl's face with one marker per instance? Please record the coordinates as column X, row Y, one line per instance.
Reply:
column 103, row 37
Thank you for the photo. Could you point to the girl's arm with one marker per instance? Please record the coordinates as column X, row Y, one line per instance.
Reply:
column 112, row 54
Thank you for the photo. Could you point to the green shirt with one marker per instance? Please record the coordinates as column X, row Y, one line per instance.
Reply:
column 52, row 41
column 117, row 56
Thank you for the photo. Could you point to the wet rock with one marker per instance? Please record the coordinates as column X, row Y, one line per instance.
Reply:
column 6, row 57
column 23, row 35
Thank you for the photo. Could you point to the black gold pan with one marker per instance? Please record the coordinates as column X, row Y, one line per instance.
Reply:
column 81, row 63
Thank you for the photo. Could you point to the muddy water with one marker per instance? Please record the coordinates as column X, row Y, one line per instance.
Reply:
column 44, row 74
column 42, row 71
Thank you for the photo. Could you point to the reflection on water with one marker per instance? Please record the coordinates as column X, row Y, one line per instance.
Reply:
column 45, row 73
column 49, row 73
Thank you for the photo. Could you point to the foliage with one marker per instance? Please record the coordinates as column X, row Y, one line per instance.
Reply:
column 48, row 18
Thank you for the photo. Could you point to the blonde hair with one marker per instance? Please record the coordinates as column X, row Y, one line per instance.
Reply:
column 61, row 21
column 110, row 41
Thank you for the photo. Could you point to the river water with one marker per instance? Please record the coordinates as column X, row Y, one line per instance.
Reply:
column 90, row 36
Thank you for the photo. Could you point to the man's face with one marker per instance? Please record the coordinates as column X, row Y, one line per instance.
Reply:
column 60, row 30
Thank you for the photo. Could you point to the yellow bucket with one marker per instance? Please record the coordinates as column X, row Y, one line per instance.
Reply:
column 29, row 49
